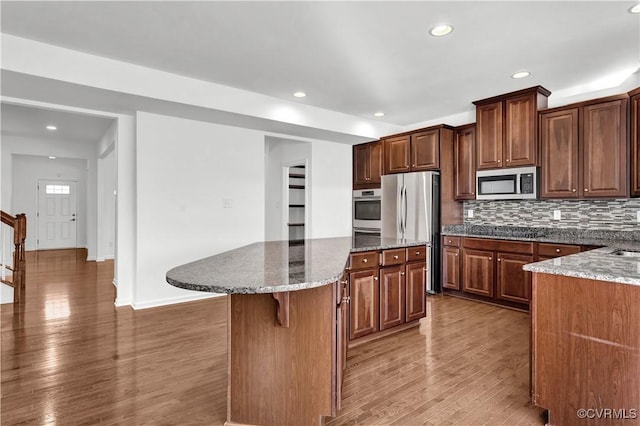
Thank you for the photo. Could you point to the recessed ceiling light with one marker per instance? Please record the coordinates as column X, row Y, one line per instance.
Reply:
column 521, row 74
column 51, row 127
column 299, row 94
column 635, row 9
column 441, row 30
column 51, row 157
column 379, row 114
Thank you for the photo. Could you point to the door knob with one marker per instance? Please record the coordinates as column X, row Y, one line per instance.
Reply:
column 73, row 220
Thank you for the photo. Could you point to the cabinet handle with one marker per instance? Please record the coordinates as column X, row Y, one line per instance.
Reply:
column 586, row 190
column 456, row 254
column 573, row 190
column 346, row 299
column 413, row 165
column 402, row 273
column 491, row 258
column 375, row 278
column 343, row 282
column 396, row 257
column 473, row 193
column 499, row 260
column 449, row 241
column 499, row 161
column 508, row 160
column 557, row 250
column 418, row 253
column 364, row 260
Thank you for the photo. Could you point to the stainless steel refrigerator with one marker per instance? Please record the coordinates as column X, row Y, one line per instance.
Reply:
column 411, row 211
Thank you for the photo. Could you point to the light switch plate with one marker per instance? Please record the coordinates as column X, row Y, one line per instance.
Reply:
column 557, row 215
column 470, row 213
column 227, row 203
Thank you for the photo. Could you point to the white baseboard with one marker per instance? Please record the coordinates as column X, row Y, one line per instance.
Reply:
column 115, row 283
column 173, row 300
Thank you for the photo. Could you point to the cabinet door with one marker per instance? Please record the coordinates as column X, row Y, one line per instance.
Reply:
column 514, row 284
column 451, row 268
column 396, row 154
column 559, row 140
column 635, row 145
column 392, row 298
column 425, row 150
column 520, row 142
column 477, row 272
column 489, row 134
column 363, row 306
column 465, row 163
column 604, row 149
column 361, row 164
column 416, row 305
column 375, row 161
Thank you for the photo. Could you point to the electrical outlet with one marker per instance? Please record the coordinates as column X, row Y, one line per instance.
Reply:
column 470, row 213
column 227, row 203
column 557, row 215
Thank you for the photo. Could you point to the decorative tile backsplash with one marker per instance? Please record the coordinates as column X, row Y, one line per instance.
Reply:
column 618, row 215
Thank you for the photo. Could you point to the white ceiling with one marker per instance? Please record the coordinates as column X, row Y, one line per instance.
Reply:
column 31, row 122
column 352, row 57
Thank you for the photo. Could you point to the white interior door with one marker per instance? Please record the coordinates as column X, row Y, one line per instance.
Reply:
column 57, row 214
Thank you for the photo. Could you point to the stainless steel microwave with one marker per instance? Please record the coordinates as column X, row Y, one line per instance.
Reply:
column 518, row 183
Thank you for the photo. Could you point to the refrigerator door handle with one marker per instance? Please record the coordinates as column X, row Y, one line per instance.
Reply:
column 399, row 211
column 404, row 210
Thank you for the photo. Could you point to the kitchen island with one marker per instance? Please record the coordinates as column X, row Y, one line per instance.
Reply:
column 284, row 324
column 586, row 336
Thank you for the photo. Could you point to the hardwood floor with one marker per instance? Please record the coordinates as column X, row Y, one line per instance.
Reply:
column 69, row 357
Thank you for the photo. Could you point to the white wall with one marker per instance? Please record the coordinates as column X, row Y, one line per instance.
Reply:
column 278, row 154
column 106, row 186
column 184, row 170
column 14, row 145
column 331, row 190
column 27, row 170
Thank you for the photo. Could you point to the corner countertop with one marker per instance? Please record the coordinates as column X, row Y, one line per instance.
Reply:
column 600, row 264
column 276, row 266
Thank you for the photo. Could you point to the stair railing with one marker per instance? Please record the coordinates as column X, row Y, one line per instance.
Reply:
column 16, row 279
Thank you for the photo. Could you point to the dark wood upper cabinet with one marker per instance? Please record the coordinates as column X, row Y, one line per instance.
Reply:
column 489, row 132
column 585, row 149
column 367, row 165
column 507, row 128
column 397, row 154
column 425, row 150
column 605, row 149
column 465, row 162
column 635, row 141
column 559, row 147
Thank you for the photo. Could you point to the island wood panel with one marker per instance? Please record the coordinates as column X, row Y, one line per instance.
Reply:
column 586, row 346
column 278, row 375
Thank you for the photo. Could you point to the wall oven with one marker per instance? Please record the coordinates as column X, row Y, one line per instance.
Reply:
column 518, row 183
column 367, row 210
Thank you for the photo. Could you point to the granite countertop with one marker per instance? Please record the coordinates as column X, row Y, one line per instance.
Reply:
column 275, row 266
column 601, row 238
column 600, row 264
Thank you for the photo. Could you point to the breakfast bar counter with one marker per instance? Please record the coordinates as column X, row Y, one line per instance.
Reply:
column 283, row 324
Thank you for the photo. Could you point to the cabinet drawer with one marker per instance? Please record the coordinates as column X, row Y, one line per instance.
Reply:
column 506, row 246
column 393, row 257
column 364, row 260
column 451, row 241
column 557, row 249
column 416, row 253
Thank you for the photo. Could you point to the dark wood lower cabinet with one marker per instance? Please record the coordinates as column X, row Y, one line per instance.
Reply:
column 477, row 272
column 392, row 298
column 451, row 268
column 416, row 305
column 514, row 284
column 364, row 294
